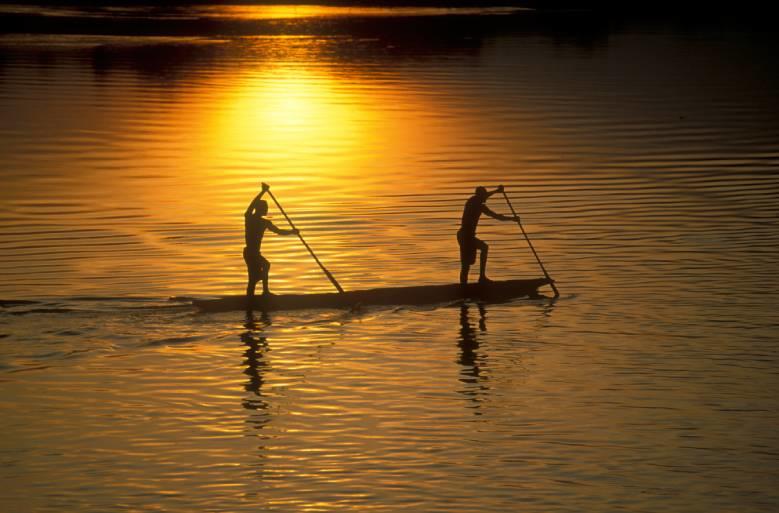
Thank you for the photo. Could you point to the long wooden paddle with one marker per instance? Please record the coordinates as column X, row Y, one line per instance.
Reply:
column 551, row 281
column 327, row 273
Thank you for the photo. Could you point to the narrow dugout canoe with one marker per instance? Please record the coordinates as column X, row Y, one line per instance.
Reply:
column 495, row 291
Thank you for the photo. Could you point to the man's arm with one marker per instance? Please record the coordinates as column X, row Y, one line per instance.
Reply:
column 253, row 204
column 499, row 189
column 500, row 217
column 280, row 231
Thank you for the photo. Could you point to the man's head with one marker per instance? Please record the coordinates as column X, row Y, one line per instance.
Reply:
column 262, row 207
column 481, row 193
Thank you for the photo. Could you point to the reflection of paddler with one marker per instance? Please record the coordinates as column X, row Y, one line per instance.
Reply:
column 255, row 225
column 474, row 381
column 466, row 236
column 469, row 341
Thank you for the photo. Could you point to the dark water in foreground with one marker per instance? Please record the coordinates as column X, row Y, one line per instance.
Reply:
column 643, row 161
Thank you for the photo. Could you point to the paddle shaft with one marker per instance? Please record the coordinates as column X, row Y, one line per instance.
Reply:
column 551, row 283
column 321, row 266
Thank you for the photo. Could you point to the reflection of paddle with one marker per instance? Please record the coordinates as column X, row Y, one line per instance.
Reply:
column 551, row 281
column 327, row 273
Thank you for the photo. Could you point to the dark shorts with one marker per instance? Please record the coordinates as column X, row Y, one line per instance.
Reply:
column 468, row 246
column 255, row 263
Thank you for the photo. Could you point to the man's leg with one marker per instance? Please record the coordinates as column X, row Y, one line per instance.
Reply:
column 467, row 256
column 464, row 273
column 253, row 271
column 250, row 287
column 483, row 251
column 265, row 275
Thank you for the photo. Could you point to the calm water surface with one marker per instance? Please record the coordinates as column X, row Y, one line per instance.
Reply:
column 643, row 161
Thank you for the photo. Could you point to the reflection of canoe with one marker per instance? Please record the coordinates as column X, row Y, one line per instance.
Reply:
column 420, row 295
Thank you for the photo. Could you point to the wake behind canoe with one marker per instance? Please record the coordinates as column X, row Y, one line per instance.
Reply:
column 418, row 295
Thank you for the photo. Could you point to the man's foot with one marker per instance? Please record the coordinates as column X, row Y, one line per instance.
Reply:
column 484, row 280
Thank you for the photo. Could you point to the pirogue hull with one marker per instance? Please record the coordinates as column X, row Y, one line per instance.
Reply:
column 419, row 295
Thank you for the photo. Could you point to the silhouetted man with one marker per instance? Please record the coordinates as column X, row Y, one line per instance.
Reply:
column 466, row 236
column 255, row 225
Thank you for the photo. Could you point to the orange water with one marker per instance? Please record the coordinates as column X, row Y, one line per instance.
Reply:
column 643, row 163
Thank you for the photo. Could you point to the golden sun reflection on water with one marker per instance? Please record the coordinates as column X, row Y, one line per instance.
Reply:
column 291, row 122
